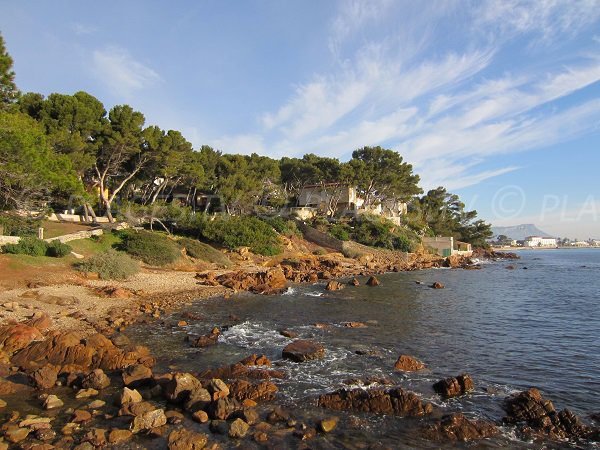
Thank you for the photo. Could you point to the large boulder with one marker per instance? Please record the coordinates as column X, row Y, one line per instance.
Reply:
column 529, row 407
column 269, row 281
column 136, row 375
column 148, row 420
column 454, row 386
column 187, row 440
column 96, row 379
column 45, row 377
column 223, row 408
column 71, row 349
column 456, row 427
column 303, row 350
column 243, row 390
column 15, row 337
column 394, row 401
column 408, row 363
column 179, row 387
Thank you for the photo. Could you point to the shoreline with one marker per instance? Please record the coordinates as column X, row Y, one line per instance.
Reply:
column 79, row 344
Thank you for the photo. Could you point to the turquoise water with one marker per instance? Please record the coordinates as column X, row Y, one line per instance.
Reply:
column 537, row 325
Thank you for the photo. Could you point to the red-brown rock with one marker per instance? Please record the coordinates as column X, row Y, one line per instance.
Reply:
column 334, row 285
column 456, row 427
column 372, row 281
column 531, row 408
column 242, row 390
column 394, row 401
column 45, row 377
column 454, row 386
column 407, row 363
column 303, row 350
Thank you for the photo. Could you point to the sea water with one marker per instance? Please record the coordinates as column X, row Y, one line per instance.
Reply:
column 537, row 324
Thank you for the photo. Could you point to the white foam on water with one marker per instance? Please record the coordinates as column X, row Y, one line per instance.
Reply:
column 289, row 291
column 313, row 294
column 253, row 334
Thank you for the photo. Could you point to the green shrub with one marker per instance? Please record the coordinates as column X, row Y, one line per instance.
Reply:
column 19, row 226
column 235, row 232
column 27, row 245
column 110, row 265
column 319, row 251
column 340, row 231
column 204, row 252
column 282, row 226
column 153, row 248
column 57, row 249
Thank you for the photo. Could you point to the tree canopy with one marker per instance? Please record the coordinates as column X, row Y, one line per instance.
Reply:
column 65, row 147
column 8, row 89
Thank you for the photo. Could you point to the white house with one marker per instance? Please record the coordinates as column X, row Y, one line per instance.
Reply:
column 539, row 241
column 326, row 198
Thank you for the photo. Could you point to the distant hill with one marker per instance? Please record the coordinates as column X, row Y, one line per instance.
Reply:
column 519, row 232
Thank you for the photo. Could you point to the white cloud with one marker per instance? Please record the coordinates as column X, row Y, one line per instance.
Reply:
column 120, row 72
column 445, row 107
column 242, row 144
column 551, row 20
column 81, row 29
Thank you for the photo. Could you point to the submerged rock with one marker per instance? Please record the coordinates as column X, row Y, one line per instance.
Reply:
column 380, row 401
column 373, row 281
column 303, row 350
column 456, row 427
column 334, row 285
column 454, row 386
column 438, row 285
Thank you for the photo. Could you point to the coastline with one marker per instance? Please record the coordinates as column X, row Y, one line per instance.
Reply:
column 48, row 344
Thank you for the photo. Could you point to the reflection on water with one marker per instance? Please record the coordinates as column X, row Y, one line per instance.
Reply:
column 510, row 329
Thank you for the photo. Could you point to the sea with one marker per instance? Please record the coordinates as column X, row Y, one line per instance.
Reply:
column 536, row 324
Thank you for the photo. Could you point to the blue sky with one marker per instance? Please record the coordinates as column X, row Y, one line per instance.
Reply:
column 498, row 101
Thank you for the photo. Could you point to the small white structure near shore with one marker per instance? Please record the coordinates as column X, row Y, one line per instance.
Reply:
column 447, row 246
column 540, row 241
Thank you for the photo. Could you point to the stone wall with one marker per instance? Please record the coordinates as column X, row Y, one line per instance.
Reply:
column 65, row 238
column 9, row 240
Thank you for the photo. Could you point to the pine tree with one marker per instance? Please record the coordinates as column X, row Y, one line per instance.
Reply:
column 8, row 89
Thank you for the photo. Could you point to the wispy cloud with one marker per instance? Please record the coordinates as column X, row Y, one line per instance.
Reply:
column 436, row 98
column 81, row 29
column 120, row 72
column 550, row 20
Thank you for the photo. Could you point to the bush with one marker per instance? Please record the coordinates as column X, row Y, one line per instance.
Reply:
column 154, row 249
column 204, row 252
column 282, row 226
column 340, row 231
column 28, row 245
column 110, row 265
column 57, row 249
column 235, row 232
column 19, row 226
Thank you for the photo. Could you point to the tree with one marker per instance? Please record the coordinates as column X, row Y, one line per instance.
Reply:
column 381, row 176
column 445, row 215
column 8, row 89
column 30, row 173
column 172, row 163
column 244, row 181
column 120, row 154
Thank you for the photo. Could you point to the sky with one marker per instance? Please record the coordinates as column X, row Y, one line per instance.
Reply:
column 498, row 101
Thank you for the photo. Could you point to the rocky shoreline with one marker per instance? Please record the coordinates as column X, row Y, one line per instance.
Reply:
column 82, row 390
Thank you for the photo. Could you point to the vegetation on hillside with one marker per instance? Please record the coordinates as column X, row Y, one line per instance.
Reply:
column 70, row 151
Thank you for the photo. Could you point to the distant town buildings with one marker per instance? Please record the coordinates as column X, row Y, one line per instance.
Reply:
column 540, row 241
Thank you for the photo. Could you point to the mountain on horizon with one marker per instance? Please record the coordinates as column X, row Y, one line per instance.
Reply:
column 519, row 232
